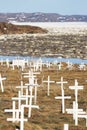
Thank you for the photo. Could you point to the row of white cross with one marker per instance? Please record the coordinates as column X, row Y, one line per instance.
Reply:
column 38, row 64
column 77, row 113
column 28, row 96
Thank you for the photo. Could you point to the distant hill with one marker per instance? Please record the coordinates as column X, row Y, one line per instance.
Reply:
column 41, row 17
column 8, row 28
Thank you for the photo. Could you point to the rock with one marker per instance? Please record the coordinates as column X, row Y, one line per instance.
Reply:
column 8, row 28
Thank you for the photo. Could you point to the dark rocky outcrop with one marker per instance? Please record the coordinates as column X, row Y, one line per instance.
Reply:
column 8, row 28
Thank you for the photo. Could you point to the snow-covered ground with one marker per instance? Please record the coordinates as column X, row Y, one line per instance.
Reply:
column 59, row 27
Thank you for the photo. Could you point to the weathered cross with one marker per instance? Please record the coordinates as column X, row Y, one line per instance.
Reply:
column 16, row 115
column 21, row 98
column 66, row 127
column 48, row 81
column 75, row 111
column 69, row 65
column 1, row 79
column 30, row 106
column 14, row 111
column 62, row 97
column 76, row 87
column 34, row 85
column 82, row 66
column 22, row 87
column 63, row 100
column 62, row 83
column 59, row 66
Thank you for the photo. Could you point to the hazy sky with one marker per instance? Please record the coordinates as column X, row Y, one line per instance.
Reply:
column 52, row 6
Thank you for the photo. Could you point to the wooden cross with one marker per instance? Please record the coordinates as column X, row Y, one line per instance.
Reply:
column 14, row 111
column 48, row 82
column 75, row 111
column 30, row 106
column 17, row 118
column 62, row 97
column 31, row 78
column 48, row 64
column 30, row 73
column 63, row 100
column 59, row 66
column 22, row 98
column 33, row 85
column 62, row 82
column 76, row 88
column 1, row 83
column 82, row 66
column 66, row 127
column 22, row 87
column 69, row 65
column 7, row 63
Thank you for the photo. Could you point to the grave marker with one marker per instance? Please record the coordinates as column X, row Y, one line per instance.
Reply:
column 30, row 106
column 1, row 83
column 63, row 100
column 62, row 97
column 20, row 119
column 76, row 87
column 48, row 81
column 22, row 87
column 75, row 111
column 59, row 66
column 66, row 127
column 82, row 66
column 13, row 111
column 62, row 83
column 33, row 85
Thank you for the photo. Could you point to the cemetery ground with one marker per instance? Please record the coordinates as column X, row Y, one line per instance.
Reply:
column 49, row 115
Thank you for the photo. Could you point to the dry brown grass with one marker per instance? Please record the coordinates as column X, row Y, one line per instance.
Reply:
column 49, row 116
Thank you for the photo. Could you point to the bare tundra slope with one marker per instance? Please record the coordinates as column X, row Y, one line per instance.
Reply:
column 67, row 40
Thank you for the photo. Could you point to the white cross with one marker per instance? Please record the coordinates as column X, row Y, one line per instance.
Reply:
column 63, row 100
column 33, row 85
column 48, row 64
column 62, row 97
column 75, row 111
column 1, row 79
column 21, row 87
column 21, row 98
column 31, row 79
column 82, row 66
column 62, row 82
column 14, row 111
column 7, row 63
column 18, row 63
column 48, row 82
column 30, row 73
column 66, row 127
column 20, row 119
column 59, row 66
column 37, row 65
column 30, row 106
column 76, row 88
column 69, row 65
